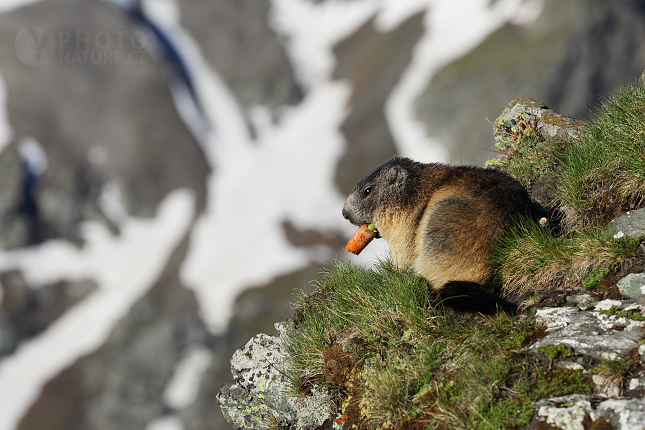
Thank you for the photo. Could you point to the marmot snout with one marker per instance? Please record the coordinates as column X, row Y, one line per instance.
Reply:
column 440, row 220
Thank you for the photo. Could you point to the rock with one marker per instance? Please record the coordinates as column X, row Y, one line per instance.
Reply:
column 555, row 318
column 629, row 224
column 575, row 412
column 551, row 125
column 565, row 412
column 624, row 414
column 569, row 365
column 636, row 384
column 588, row 332
column 527, row 126
column 582, row 301
column 607, row 304
column 260, row 395
column 633, row 285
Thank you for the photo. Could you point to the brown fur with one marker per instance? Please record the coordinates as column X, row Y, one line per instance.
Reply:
column 439, row 220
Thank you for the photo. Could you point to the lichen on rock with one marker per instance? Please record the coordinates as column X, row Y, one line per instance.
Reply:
column 589, row 332
column 260, row 396
column 527, row 133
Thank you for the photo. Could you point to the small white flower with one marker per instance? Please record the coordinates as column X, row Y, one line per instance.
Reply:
column 619, row 235
column 543, row 221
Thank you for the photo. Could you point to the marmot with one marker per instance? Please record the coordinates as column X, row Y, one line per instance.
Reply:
column 440, row 220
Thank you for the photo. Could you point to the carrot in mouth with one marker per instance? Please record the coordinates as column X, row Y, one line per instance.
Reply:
column 363, row 236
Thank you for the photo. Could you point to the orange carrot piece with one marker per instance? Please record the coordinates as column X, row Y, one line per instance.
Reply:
column 360, row 240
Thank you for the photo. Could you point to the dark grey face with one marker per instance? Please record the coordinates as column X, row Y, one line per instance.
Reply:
column 363, row 200
column 381, row 187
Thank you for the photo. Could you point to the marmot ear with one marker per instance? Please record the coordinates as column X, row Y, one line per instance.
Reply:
column 392, row 174
column 396, row 174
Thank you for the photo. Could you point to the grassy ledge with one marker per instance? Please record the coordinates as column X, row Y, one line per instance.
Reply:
column 594, row 178
column 393, row 356
column 534, row 258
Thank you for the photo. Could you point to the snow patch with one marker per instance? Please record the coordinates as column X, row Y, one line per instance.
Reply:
column 312, row 29
column 171, row 422
column 183, row 388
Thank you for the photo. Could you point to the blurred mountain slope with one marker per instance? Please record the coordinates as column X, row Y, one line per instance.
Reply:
column 574, row 53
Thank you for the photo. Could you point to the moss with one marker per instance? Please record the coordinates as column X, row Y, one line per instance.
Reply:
column 555, row 351
column 562, row 382
column 615, row 310
column 595, row 277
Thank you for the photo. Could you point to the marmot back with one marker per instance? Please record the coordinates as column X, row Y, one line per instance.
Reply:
column 439, row 220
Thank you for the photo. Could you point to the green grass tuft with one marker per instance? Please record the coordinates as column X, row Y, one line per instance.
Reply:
column 530, row 257
column 602, row 173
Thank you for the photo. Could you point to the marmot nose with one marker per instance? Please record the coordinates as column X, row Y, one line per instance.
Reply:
column 345, row 214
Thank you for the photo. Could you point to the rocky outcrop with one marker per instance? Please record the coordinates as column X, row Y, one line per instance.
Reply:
column 523, row 114
column 260, row 396
column 588, row 332
column 525, row 127
column 596, row 337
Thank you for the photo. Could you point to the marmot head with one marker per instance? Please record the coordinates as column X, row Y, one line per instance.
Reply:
column 387, row 188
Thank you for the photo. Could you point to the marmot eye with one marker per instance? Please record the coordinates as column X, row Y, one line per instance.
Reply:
column 367, row 191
